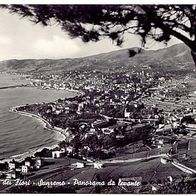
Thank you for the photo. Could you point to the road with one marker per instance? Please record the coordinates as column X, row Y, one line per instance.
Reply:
column 135, row 159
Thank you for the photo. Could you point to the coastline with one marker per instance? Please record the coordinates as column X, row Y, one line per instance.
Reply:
column 59, row 137
column 23, row 77
column 60, row 133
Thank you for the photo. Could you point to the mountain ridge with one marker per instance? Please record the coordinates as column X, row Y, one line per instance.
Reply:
column 176, row 57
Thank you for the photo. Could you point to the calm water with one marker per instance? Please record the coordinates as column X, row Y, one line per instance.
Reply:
column 19, row 134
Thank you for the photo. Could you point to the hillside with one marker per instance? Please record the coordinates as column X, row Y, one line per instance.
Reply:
column 174, row 58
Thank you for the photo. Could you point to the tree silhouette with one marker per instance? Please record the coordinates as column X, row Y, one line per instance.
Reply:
column 92, row 22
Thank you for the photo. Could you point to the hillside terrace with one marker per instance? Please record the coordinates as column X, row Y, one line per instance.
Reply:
column 122, row 120
column 126, row 98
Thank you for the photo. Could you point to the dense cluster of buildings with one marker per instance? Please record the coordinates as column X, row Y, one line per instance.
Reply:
column 93, row 79
column 109, row 114
column 20, row 169
column 113, row 111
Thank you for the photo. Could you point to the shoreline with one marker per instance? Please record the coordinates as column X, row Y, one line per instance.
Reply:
column 59, row 137
column 60, row 133
column 24, row 77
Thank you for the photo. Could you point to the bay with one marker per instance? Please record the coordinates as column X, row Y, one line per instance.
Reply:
column 20, row 134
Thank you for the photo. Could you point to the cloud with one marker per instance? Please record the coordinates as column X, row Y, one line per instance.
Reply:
column 5, row 40
column 57, row 47
column 22, row 39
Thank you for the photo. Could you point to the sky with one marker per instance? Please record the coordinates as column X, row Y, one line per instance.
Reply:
column 22, row 39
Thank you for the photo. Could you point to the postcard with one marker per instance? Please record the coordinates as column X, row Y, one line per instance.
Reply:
column 98, row 98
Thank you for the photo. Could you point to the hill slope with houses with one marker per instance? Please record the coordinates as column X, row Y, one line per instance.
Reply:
column 172, row 59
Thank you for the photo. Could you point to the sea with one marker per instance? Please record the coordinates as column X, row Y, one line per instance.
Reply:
column 20, row 134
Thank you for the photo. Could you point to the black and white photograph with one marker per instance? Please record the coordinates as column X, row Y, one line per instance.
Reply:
column 98, row 98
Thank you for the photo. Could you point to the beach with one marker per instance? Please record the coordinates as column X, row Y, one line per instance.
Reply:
column 60, row 136
column 23, row 134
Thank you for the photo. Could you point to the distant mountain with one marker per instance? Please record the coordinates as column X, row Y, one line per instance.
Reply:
column 174, row 58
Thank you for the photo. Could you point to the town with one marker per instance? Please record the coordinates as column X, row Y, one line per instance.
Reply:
column 116, row 118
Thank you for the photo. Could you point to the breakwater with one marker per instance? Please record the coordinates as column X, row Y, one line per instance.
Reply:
column 14, row 86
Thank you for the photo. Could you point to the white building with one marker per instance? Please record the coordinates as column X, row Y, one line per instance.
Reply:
column 80, row 107
column 28, row 163
column 175, row 124
column 69, row 149
column 58, row 111
column 159, row 146
column 161, row 126
column 11, row 175
column 160, row 141
column 12, row 165
column 163, row 161
column 78, row 165
column 127, row 114
column 120, row 136
column 58, row 153
column 107, row 131
column 25, row 169
column 98, row 165
column 38, row 163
